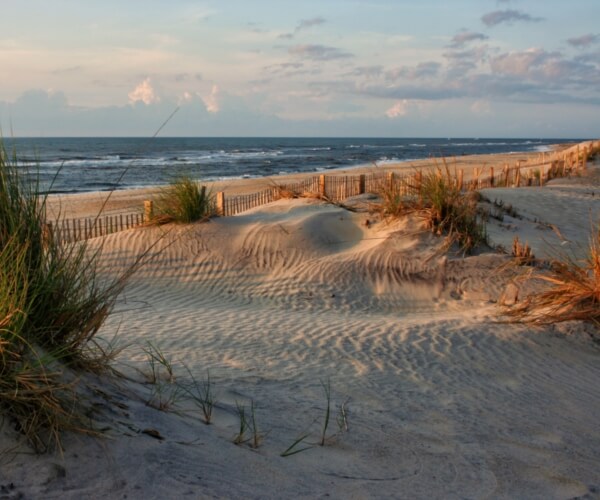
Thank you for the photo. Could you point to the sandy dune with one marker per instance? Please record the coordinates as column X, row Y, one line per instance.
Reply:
column 442, row 400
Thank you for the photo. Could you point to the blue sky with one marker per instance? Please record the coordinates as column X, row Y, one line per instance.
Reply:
column 484, row 68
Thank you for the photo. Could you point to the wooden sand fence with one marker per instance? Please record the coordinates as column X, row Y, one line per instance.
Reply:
column 536, row 171
column 71, row 230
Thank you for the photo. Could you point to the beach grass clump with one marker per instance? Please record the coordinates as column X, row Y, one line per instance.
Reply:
column 438, row 197
column 202, row 393
column 522, row 253
column 52, row 304
column 394, row 203
column 184, row 201
column 571, row 291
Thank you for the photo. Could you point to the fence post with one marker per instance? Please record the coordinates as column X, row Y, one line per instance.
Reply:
column 362, row 182
column 148, row 210
column 491, row 176
column 460, row 179
column 221, row 203
column 47, row 234
column 322, row 185
column 418, row 184
column 390, row 180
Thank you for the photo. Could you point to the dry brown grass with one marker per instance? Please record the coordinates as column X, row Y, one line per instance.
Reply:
column 522, row 252
column 438, row 198
column 571, row 290
column 290, row 191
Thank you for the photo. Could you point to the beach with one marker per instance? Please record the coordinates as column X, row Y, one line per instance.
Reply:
column 367, row 360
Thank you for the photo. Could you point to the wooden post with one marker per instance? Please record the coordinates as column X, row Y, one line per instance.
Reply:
column 148, row 210
column 460, row 179
column 419, row 182
column 518, row 177
column 322, row 188
column 221, row 203
column 390, row 180
column 362, row 183
column 47, row 234
column 492, row 176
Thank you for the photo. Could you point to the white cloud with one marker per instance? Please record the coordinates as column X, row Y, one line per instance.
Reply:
column 400, row 108
column 520, row 63
column 144, row 93
column 212, row 100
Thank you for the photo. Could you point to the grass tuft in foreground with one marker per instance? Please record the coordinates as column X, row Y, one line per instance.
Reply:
column 52, row 304
column 184, row 201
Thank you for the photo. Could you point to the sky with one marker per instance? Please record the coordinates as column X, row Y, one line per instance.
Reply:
column 358, row 68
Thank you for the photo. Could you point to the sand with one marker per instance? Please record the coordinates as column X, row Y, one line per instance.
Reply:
column 440, row 398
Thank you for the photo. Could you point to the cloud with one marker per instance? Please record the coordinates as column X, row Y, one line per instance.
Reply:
column 308, row 23
column 462, row 61
column 46, row 100
column 144, row 93
column 304, row 24
column 583, row 41
column 422, row 70
column 318, row 52
column 464, row 37
column 282, row 67
column 367, row 71
column 399, row 108
column 507, row 16
column 521, row 63
column 417, row 92
column 212, row 100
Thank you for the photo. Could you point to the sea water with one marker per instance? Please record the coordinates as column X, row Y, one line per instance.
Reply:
column 71, row 165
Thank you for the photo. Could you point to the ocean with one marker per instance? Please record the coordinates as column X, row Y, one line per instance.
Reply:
column 73, row 165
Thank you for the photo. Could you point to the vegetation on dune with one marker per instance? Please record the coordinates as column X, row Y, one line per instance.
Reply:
column 438, row 198
column 570, row 290
column 184, row 201
column 52, row 304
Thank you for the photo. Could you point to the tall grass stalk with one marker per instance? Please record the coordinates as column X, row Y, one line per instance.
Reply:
column 244, row 425
column 327, row 390
column 202, row 394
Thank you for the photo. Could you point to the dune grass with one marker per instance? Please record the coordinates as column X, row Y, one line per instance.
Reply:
column 446, row 210
column 52, row 304
column 571, row 291
column 184, row 201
